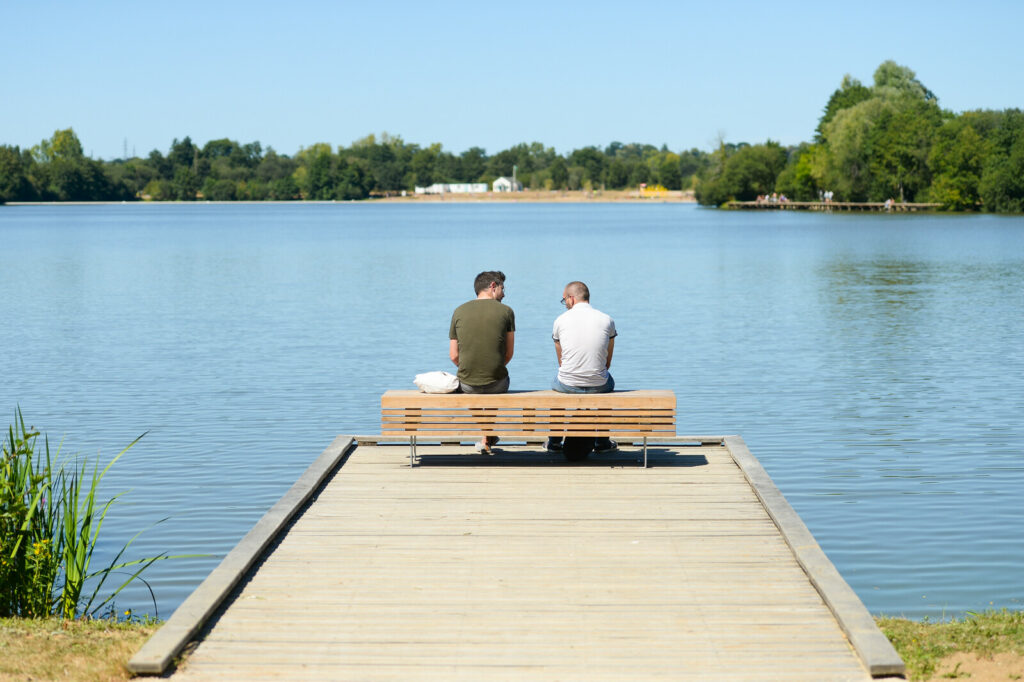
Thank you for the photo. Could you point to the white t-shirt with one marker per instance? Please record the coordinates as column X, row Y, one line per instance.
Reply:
column 583, row 332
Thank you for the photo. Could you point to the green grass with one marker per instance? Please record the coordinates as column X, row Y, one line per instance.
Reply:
column 923, row 644
column 56, row 649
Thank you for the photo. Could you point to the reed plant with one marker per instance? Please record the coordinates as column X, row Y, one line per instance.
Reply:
column 50, row 522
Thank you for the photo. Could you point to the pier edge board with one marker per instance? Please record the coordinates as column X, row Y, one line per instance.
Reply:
column 874, row 648
column 156, row 654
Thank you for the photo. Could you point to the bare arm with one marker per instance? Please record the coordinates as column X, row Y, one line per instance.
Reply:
column 611, row 349
column 453, row 351
column 510, row 346
column 558, row 352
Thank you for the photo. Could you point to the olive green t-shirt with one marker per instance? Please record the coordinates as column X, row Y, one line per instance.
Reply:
column 480, row 327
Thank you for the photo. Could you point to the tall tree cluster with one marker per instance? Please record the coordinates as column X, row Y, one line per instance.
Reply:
column 889, row 140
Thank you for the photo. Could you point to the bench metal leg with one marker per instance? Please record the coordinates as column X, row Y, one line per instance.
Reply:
column 645, row 452
column 412, row 451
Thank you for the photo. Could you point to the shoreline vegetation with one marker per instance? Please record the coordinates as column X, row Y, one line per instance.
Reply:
column 526, row 196
column 981, row 647
column 887, row 141
column 50, row 522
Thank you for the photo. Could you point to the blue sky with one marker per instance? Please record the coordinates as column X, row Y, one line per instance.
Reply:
column 570, row 74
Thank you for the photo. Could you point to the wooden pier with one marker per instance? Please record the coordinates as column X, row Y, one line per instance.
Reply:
column 827, row 206
column 521, row 565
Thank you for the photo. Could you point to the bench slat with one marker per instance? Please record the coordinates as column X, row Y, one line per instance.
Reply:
column 524, row 413
column 477, row 433
column 511, row 419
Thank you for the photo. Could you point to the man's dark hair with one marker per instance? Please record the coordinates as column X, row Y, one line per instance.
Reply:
column 579, row 290
column 485, row 279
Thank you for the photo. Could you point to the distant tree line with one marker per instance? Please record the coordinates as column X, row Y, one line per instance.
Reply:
column 224, row 170
column 890, row 140
column 872, row 143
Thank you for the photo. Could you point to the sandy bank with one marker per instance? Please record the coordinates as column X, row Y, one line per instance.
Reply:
column 552, row 196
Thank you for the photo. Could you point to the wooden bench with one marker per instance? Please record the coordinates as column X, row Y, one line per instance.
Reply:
column 527, row 415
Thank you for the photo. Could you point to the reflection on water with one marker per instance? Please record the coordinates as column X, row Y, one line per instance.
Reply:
column 872, row 363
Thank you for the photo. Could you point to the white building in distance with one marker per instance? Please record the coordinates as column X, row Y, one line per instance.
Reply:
column 504, row 184
column 454, row 188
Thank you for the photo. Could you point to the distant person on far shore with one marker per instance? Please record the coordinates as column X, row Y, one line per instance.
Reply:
column 584, row 341
column 482, row 340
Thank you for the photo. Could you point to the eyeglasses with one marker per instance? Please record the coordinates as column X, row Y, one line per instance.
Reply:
column 565, row 298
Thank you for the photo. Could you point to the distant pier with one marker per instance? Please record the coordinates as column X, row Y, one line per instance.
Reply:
column 882, row 206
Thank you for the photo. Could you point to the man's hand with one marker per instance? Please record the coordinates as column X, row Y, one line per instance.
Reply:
column 453, row 351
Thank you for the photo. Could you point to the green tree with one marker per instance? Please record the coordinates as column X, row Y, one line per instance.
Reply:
column 1002, row 182
column 639, row 173
column 617, row 175
column 559, row 173
column 218, row 149
column 132, row 174
column 183, row 153
column 849, row 93
column 424, row 165
column 892, row 79
column 592, row 161
column 284, row 189
column 220, row 190
column 185, row 184
column 797, row 179
column 388, row 161
column 900, row 149
column 160, row 164
column 744, row 174
column 876, row 141
column 668, row 172
column 14, row 183
column 65, row 145
column 353, row 181
column 957, row 160
column 62, row 172
column 473, row 164
column 320, row 175
column 849, row 148
column 274, row 166
column 691, row 162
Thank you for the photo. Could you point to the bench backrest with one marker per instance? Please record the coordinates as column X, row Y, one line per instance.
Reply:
column 525, row 414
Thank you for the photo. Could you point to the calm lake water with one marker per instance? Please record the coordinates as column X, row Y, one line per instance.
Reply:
column 873, row 363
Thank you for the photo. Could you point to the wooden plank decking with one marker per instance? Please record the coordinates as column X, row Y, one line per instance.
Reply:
column 523, row 566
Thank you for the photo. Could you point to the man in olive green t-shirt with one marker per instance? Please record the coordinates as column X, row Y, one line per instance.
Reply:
column 482, row 339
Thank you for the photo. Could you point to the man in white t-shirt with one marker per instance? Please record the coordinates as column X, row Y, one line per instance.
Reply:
column 584, row 340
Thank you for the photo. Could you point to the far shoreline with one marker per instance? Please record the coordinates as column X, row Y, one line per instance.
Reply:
column 527, row 196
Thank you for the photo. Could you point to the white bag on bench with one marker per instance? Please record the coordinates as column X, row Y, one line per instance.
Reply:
column 437, row 382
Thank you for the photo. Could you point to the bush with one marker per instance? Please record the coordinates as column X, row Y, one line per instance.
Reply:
column 28, row 527
column 49, row 527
